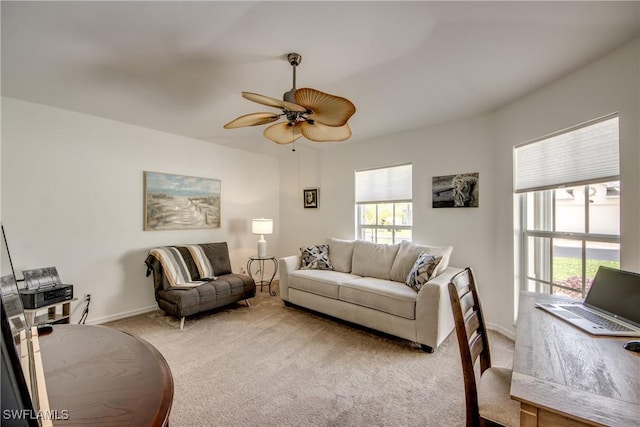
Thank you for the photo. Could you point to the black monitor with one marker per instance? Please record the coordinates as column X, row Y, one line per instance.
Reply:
column 17, row 405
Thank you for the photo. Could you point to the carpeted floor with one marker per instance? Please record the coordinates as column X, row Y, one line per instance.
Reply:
column 270, row 365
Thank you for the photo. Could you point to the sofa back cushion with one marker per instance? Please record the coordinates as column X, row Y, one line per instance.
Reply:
column 340, row 254
column 374, row 259
column 408, row 254
column 218, row 254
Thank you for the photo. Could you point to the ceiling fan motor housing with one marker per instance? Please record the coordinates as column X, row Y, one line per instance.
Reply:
column 288, row 96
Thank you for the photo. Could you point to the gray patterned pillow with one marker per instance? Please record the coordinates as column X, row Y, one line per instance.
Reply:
column 423, row 270
column 315, row 258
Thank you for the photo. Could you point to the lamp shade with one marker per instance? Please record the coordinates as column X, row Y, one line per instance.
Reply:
column 261, row 226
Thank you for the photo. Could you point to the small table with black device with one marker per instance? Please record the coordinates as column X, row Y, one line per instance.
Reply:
column 52, row 315
column 44, row 291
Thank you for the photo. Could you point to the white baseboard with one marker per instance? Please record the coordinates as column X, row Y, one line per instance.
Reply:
column 507, row 333
column 122, row 315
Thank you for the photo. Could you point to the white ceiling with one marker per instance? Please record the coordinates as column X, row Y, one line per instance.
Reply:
column 179, row 67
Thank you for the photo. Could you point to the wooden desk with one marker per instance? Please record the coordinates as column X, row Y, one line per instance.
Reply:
column 564, row 376
column 100, row 376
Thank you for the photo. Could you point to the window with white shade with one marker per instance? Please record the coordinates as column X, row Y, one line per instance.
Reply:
column 384, row 206
column 569, row 193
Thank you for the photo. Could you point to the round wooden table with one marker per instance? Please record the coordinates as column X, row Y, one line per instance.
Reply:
column 97, row 375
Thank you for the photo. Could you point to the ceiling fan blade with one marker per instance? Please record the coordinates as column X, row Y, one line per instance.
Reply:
column 252, row 119
column 273, row 102
column 327, row 109
column 282, row 133
column 318, row 132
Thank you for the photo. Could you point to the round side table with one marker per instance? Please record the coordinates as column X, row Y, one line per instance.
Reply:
column 259, row 260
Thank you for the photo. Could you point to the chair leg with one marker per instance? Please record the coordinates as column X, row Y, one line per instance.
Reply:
column 182, row 323
column 248, row 303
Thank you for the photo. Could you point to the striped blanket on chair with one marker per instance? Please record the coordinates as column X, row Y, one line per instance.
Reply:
column 174, row 266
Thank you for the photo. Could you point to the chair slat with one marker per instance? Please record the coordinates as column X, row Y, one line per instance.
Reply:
column 476, row 346
column 472, row 323
column 467, row 302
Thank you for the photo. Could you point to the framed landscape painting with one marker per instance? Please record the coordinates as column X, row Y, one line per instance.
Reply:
column 178, row 202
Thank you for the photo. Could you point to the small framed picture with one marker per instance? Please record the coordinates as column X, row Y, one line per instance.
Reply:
column 310, row 197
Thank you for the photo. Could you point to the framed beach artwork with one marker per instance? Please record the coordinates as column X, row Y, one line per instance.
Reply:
column 178, row 202
column 310, row 197
column 456, row 191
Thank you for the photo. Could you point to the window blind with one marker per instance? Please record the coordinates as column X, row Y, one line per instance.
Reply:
column 389, row 184
column 580, row 156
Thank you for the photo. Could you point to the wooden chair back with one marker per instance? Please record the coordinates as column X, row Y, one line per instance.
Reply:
column 472, row 337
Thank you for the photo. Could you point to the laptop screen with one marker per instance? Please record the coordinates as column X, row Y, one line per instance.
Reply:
column 617, row 292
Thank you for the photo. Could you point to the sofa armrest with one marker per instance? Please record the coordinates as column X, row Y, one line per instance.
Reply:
column 286, row 266
column 434, row 316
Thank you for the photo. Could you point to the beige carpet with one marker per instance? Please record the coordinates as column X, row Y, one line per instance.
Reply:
column 270, row 365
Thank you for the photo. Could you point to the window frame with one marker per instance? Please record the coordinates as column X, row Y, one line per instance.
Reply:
column 394, row 228
column 360, row 227
column 584, row 238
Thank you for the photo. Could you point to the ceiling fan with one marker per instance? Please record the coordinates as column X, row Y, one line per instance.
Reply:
column 318, row 116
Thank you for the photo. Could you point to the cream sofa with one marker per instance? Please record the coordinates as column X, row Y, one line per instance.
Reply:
column 366, row 285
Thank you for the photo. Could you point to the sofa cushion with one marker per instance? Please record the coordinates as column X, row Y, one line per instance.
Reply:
column 315, row 257
column 320, row 282
column 208, row 295
column 383, row 295
column 340, row 253
column 373, row 259
column 408, row 254
column 218, row 254
column 423, row 270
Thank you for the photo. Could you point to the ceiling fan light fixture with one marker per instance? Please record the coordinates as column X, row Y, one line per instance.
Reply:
column 316, row 115
column 284, row 133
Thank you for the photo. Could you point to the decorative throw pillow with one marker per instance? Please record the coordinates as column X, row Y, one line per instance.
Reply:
column 315, row 258
column 408, row 253
column 423, row 270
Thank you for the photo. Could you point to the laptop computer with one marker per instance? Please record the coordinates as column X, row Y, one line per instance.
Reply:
column 611, row 308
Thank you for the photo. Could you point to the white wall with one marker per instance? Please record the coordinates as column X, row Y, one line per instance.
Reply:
column 463, row 146
column 611, row 84
column 72, row 187
column 72, row 197
column 482, row 237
